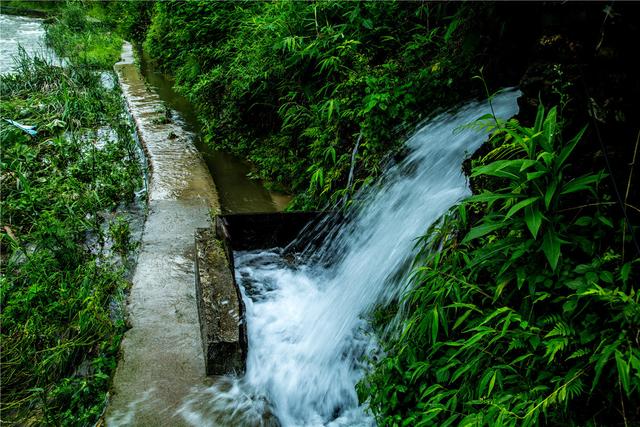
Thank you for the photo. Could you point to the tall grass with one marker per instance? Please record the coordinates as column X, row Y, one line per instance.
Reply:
column 58, row 287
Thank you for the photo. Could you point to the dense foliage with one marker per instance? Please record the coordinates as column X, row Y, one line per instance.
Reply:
column 60, row 288
column 292, row 86
column 526, row 310
column 84, row 39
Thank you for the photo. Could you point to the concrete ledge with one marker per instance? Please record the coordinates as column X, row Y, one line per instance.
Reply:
column 220, row 308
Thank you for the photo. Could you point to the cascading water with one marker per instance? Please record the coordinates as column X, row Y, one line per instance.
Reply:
column 308, row 338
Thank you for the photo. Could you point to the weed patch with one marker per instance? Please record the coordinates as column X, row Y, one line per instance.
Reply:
column 60, row 330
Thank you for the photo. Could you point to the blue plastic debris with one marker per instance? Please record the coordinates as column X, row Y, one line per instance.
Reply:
column 28, row 129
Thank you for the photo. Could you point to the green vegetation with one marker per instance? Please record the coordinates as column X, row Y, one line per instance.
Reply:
column 60, row 287
column 85, row 40
column 30, row 8
column 291, row 86
column 525, row 307
column 529, row 314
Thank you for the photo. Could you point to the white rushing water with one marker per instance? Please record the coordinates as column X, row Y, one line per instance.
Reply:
column 25, row 32
column 307, row 335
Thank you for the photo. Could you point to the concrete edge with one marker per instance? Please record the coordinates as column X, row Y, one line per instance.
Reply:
column 220, row 307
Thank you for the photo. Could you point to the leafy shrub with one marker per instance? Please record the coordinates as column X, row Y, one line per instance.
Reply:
column 528, row 314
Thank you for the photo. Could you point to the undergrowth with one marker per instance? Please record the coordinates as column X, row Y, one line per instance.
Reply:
column 525, row 310
column 292, row 86
column 84, row 39
column 59, row 287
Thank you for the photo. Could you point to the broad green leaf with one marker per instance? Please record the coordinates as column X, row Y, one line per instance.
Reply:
column 583, row 221
column 520, row 205
column 533, row 219
column 551, row 248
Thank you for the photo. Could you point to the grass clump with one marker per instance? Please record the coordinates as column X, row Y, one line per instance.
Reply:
column 86, row 40
column 525, row 310
column 59, row 288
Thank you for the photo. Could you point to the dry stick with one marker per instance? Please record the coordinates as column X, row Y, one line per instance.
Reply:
column 626, row 194
column 624, row 412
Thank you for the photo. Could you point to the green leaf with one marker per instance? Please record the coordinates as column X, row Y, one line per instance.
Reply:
column 499, row 168
column 520, row 205
column 434, row 325
column 624, row 272
column 533, row 219
column 535, row 175
column 462, row 318
column 482, row 230
column 580, row 184
column 623, row 372
column 551, row 248
column 451, row 28
column 549, row 130
column 487, row 197
column 583, row 221
column 566, row 151
column 330, row 152
column 548, row 195
column 537, row 127
column 492, row 383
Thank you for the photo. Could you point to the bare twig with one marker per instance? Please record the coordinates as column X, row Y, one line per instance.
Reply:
column 626, row 194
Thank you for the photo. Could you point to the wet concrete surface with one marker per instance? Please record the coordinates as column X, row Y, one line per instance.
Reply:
column 161, row 355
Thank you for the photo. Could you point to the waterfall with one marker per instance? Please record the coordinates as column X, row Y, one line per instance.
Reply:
column 308, row 334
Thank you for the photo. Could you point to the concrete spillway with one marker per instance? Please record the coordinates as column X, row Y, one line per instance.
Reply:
column 161, row 355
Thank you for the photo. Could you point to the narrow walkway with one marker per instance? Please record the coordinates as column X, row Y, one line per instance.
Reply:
column 161, row 356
